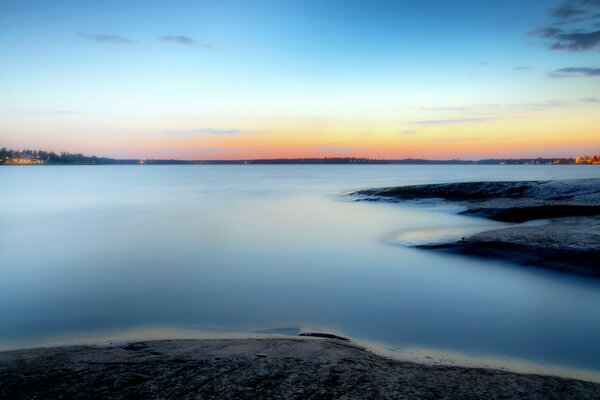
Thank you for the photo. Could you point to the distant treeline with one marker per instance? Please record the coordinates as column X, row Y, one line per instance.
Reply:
column 50, row 157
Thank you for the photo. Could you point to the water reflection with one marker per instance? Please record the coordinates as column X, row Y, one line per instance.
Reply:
column 244, row 248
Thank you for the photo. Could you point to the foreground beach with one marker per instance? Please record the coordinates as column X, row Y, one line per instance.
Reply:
column 300, row 368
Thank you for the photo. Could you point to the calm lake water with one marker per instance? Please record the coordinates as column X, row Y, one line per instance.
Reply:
column 93, row 248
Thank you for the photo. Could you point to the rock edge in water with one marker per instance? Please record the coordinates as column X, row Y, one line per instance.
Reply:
column 294, row 368
column 569, row 242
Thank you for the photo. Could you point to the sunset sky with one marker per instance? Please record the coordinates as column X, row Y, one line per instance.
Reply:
column 267, row 79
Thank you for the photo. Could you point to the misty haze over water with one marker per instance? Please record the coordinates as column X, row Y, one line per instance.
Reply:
column 238, row 247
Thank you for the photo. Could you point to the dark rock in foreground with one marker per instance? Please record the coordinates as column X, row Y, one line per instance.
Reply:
column 259, row 368
column 568, row 242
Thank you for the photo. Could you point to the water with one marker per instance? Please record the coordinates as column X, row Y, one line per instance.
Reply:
column 92, row 248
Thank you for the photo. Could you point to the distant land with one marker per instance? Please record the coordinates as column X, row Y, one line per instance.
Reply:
column 33, row 157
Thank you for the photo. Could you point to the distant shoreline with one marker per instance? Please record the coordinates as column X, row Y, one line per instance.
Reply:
column 37, row 157
column 308, row 161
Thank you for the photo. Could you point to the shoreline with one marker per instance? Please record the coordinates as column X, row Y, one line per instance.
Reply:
column 409, row 354
column 568, row 241
column 292, row 367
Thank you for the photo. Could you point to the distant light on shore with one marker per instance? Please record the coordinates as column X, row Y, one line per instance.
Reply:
column 588, row 160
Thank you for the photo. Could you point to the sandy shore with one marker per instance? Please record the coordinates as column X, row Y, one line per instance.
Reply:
column 296, row 368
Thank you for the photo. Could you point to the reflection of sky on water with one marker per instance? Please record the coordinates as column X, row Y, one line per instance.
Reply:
column 235, row 247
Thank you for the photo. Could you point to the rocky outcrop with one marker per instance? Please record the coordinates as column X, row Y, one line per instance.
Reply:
column 565, row 244
column 568, row 242
column 291, row 368
column 517, row 201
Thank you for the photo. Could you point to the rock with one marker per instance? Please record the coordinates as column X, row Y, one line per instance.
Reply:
column 564, row 244
column 569, row 242
column 324, row 335
column 227, row 368
column 571, row 191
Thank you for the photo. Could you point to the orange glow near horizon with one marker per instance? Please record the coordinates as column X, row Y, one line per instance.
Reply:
column 516, row 138
column 300, row 80
column 568, row 131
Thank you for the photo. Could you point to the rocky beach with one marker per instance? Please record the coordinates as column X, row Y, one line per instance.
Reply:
column 568, row 240
column 272, row 368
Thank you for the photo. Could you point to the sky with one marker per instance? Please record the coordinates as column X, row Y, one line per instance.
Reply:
column 224, row 79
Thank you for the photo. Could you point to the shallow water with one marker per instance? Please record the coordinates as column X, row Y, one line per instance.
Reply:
column 91, row 248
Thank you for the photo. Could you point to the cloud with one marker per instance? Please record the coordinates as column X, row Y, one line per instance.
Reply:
column 523, row 68
column 59, row 112
column 104, row 38
column 575, row 71
column 482, row 64
column 202, row 131
column 576, row 10
column 334, row 148
column 408, row 132
column 576, row 18
column 590, row 100
column 566, row 11
column 55, row 112
column 495, row 109
column 184, row 40
column 575, row 41
column 451, row 140
column 197, row 150
column 450, row 121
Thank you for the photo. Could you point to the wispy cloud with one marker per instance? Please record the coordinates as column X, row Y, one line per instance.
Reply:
column 334, row 148
column 575, row 71
column 54, row 112
column 104, row 38
column 184, row 40
column 571, row 26
column 196, row 150
column 573, row 40
column 576, row 10
column 590, row 99
column 202, row 131
column 59, row 112
column 495, row 109
column 522, row 68
column 451, row 121
column 566, row 11
column 451, row 140
column 408, row 132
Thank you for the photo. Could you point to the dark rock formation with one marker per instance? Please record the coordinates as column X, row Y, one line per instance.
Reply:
column 325, row 335
column 258, row 369
column 569, row 242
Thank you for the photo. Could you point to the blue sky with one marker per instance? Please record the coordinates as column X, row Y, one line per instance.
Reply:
column 290, row 74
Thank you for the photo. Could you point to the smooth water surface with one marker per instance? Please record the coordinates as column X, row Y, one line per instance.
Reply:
column 88, row 248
